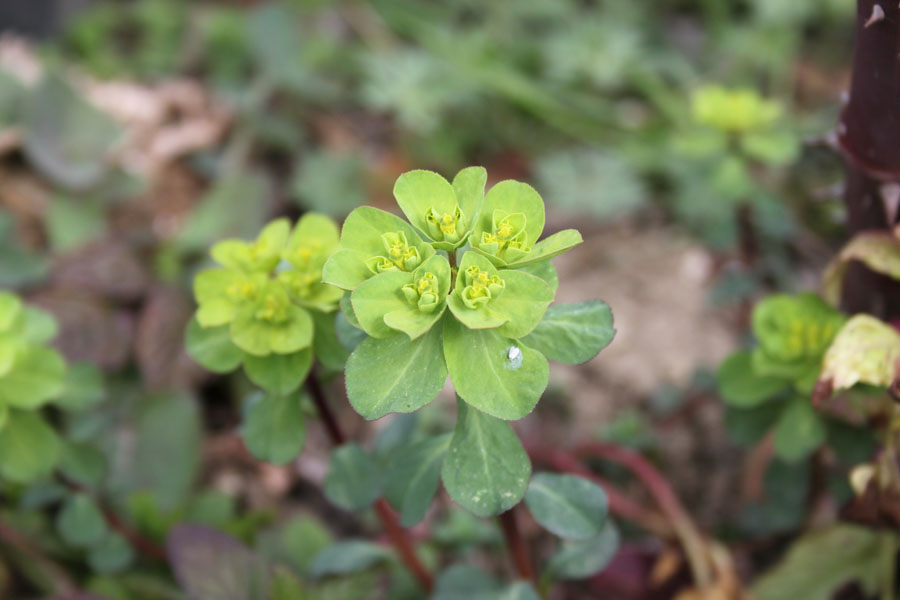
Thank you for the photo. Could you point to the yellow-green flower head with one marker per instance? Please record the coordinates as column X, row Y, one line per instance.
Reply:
column 263, row 290
column 733, row 111
column 398, row 255
column 793, row 332
column 480, row 287
column 424, row 292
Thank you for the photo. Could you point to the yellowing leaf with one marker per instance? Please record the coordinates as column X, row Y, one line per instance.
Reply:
column 865, row 350
column 878, row 251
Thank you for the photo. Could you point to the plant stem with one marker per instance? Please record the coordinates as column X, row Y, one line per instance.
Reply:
column 619, row 504
column 145, row 546
column 889, row 562
column 63, row 586
column 687, row 532
column 398, row 536
column 518, row 549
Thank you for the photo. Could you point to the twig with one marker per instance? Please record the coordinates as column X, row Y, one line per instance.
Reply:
column 398, row 536
column 687, row 532
column 619, row 504
column 145, row 546
column 518, row 549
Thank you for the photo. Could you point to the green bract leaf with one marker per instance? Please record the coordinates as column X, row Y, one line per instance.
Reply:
column 486, row 470
column 799, row 431
column 212, row 347
column 497, row 375
column 349, row 556
column 793, row 334
column 375, row 298
column 543, row 269
column 413, row 475
column 262, row 255
column 425, row 296
column 581, row 559
column 430, row 204
column 741, row 387
column 510, row 223
column 523, row 303
column 354, row 479
column 80, row 522
column 551, row 246
column 314, row 240
column 275, row 428
column 222, row 293
column 395, row 374
column 573, row 333
column 272, row 324
column 279, row 374
column 29, row 448
column 568, row 506
column 374, row 241
column 36, row 376
column 469, row 188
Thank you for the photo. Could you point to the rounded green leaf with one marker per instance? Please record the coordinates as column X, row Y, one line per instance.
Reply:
column 363, row 229
column 469, row 186
column 279, row 374
column 327, row 346
column 212, row 347
column 261, row 337
column 29, row 448
column 523, row 303
column 573, row 333
column 40, row 326
column 83, row 387
column 83, row 464
column 80, row 522
column 354, row 479
column 419, row 191
column 275, row 428
column 378, row 296
column 395, row 374
column 741, row 387
column 37, row 376
column 486, row 470
column 348, row 556
column 582, row 559
column 113, row 555
column 497, row 375
column 346, row 269
column 509, row 197
column 412, row 477
column 569, row 506
column 799, row 431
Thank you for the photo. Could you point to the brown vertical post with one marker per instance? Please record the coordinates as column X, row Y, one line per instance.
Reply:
column 869, row 138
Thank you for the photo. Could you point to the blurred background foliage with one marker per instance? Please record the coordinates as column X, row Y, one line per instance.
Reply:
column 135, row 134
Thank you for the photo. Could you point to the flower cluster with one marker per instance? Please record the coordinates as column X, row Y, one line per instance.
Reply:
column 794, row 332
column 478, row 256
column 264, row 297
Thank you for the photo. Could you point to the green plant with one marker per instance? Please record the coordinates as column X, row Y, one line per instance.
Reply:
column 461, row 289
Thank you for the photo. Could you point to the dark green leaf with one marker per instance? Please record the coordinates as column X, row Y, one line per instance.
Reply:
column 486, row 470
column 212, row 347
column 279, row 374
column 412, row 477
column 80, row 522
column 349, row 556
column 275, row 428
column 581, row 559
column 354, row 478
column 29, row 448
column 569, row 506
column 741, row 387
column 573, row 333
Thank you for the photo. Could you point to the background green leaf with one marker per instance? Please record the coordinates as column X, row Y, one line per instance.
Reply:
column 275, row 428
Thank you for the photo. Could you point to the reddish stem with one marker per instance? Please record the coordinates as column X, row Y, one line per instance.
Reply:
column 518, row 549
column 398, row 536
column 619, row 503
column 687, row 532
column 145, row 546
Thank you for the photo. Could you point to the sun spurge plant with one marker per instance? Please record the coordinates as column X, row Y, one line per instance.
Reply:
column 793, row 334
column 265, row 307
column 461, row 288
column 31, row 375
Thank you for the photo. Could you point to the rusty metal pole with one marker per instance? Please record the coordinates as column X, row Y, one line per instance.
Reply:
column 869, row 137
